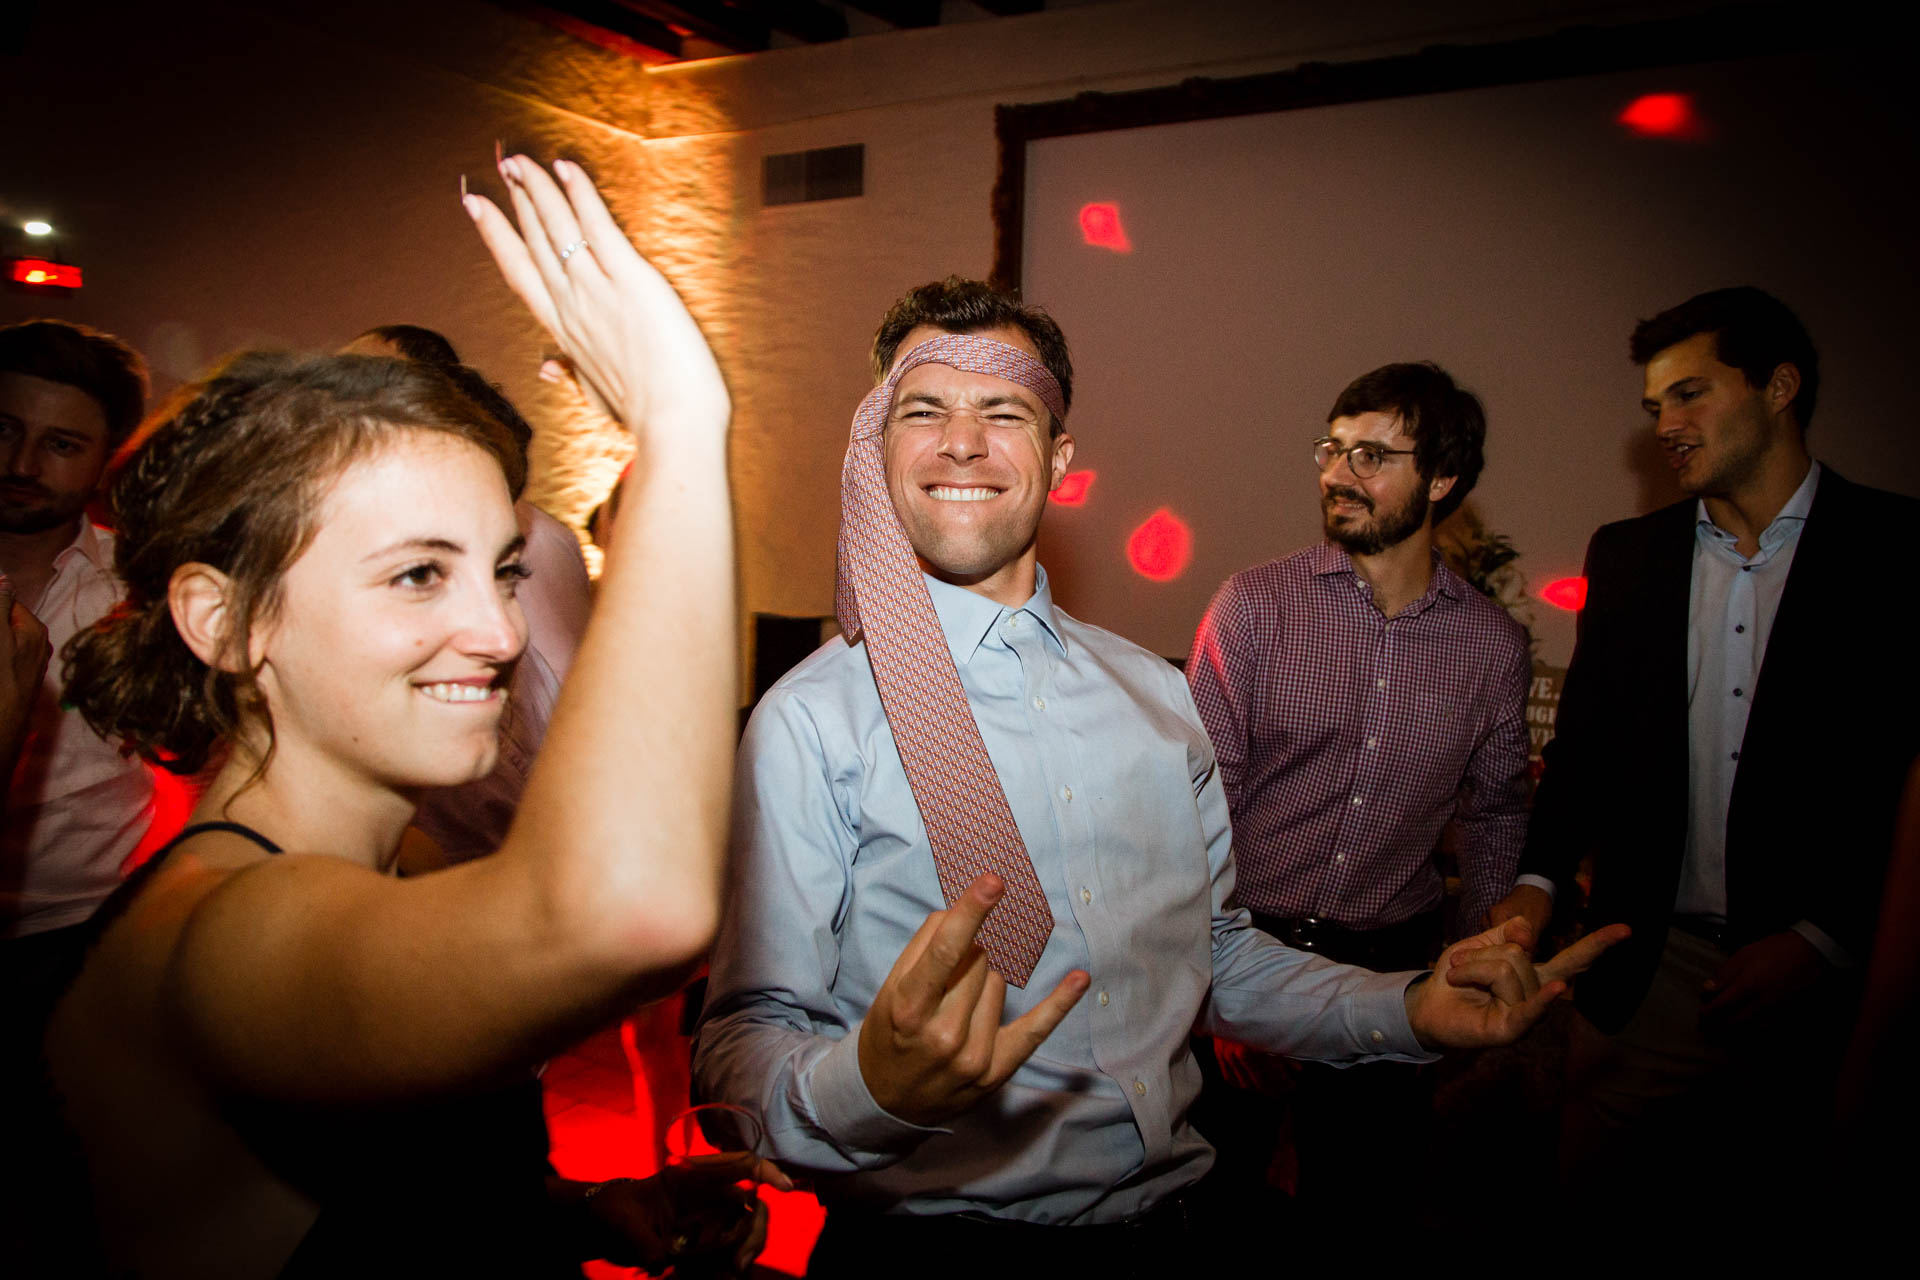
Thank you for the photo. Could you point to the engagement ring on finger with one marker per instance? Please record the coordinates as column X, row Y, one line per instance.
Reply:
column 572, row 249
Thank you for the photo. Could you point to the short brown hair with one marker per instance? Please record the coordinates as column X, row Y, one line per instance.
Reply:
column 97, row 363
column 231, row 473
column 971, row 306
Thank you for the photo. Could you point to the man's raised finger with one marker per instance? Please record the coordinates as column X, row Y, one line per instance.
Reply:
column 951, row 942
column 1581, row 955
column 1017, row 1040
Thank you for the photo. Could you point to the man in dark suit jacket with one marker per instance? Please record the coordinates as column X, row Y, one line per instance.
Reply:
column 1732, row 739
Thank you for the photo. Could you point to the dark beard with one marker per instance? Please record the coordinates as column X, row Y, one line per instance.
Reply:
column 1387, row 530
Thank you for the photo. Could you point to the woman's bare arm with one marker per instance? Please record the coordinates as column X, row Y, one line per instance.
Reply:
column 314, row 977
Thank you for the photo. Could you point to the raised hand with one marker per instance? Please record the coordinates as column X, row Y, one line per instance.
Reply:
column 1486, row 990
column 932, row 1044
column 622, row 327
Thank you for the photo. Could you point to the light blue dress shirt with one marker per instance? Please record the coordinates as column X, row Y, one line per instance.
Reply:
column 1730, row 615
column 1110, row 775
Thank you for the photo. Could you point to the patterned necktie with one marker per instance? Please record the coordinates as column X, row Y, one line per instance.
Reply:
column 881, row 596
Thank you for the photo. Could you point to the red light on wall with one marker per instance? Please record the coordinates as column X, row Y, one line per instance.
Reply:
column 1100, row 227
column 60, row 275
column 1072, row 489
column 1661, row 115
column 1161, row 547
column 1566, row 593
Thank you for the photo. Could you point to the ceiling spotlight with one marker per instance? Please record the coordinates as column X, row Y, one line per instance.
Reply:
column 38, row 228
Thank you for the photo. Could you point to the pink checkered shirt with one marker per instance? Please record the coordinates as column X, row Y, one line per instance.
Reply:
column 1346, row 740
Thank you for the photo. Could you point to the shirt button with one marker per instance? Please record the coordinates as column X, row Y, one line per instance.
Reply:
column 1739, row 628
column 1014, row 622
column 1356, row 802
column 1736, row 693
column 1372, row 743
column 1379, row 1037
column 1066, row 793
column 1039, row 704
column 1103, row 999
column 1339, row 857
column 1736, row 755
column 1140, row 1087
column 1379, row 684
column 1086, row 894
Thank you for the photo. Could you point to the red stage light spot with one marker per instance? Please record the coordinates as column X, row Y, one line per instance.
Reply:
column 1566, row 593
column 1073, row 487
column 42, row 272
column 1661, row 115
column 1100, row 227
column 1161, row 547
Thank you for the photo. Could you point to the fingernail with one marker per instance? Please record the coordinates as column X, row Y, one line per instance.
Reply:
column 472, row 205
column 499, row 153
column 563, row 168
column 463, row 187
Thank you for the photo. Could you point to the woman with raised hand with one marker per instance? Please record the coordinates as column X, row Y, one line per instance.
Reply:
column 278, row 1058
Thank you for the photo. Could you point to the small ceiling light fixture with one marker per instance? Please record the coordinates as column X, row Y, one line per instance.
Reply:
column 38, row 228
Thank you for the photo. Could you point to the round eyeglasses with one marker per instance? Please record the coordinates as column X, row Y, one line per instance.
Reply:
column 1365, row 459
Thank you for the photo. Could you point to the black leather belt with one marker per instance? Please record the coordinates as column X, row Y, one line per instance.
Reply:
column 1410, row 944
column 1705, row 928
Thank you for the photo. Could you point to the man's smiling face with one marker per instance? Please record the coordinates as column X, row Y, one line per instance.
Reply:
column 970, row 459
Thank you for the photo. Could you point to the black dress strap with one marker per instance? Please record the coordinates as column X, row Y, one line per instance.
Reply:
column 238, row 828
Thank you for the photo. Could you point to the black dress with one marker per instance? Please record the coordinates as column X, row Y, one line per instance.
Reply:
column 452, row 1186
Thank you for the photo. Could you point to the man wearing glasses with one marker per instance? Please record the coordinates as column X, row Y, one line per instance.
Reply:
column 1359, row 694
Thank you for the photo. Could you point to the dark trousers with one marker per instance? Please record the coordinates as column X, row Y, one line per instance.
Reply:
column 1164, row 1242
column 1337, row 1138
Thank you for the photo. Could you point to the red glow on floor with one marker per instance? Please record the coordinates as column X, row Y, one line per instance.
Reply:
column 1661, row 115
column 1566, row 593
column 1072, row 489
column 609, row 1101
column 1161, row 548
column 1100, row 227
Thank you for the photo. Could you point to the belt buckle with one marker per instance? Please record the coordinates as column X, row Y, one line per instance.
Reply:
column 1307, row 932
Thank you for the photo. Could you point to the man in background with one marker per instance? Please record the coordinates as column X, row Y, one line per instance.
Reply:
column 75, row 806
column 1359, row 695
column 1732, row 741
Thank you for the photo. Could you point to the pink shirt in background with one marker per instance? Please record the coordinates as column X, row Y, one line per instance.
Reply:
column 76, row 806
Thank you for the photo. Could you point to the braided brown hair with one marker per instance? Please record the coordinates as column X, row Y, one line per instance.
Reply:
column 231, row 473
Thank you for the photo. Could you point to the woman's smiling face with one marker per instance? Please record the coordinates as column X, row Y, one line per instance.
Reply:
column 388, row 655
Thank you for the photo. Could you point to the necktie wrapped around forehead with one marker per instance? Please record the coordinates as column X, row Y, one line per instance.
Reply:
column 881, row 598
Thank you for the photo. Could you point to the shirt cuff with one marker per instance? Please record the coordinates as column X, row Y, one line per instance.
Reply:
column 1835, row 953
column 1380, row 1019
column 1538, row 882
column 847, row 1111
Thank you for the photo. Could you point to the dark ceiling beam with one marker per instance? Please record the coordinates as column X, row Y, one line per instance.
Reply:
column 1010, row 8
column 901, row 13
column 611, row 18
column 709, row 20
column 801, row 19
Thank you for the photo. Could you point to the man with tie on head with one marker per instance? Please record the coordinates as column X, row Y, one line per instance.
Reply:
column 965, row 754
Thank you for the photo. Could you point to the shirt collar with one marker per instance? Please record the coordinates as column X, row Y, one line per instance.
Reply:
column 85, row 544
column 1329, row 559
column 967, row 617
column 1794, row 512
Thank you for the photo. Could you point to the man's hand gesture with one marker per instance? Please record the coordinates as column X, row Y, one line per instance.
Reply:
column 1485, row 990
column 932, row 1044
